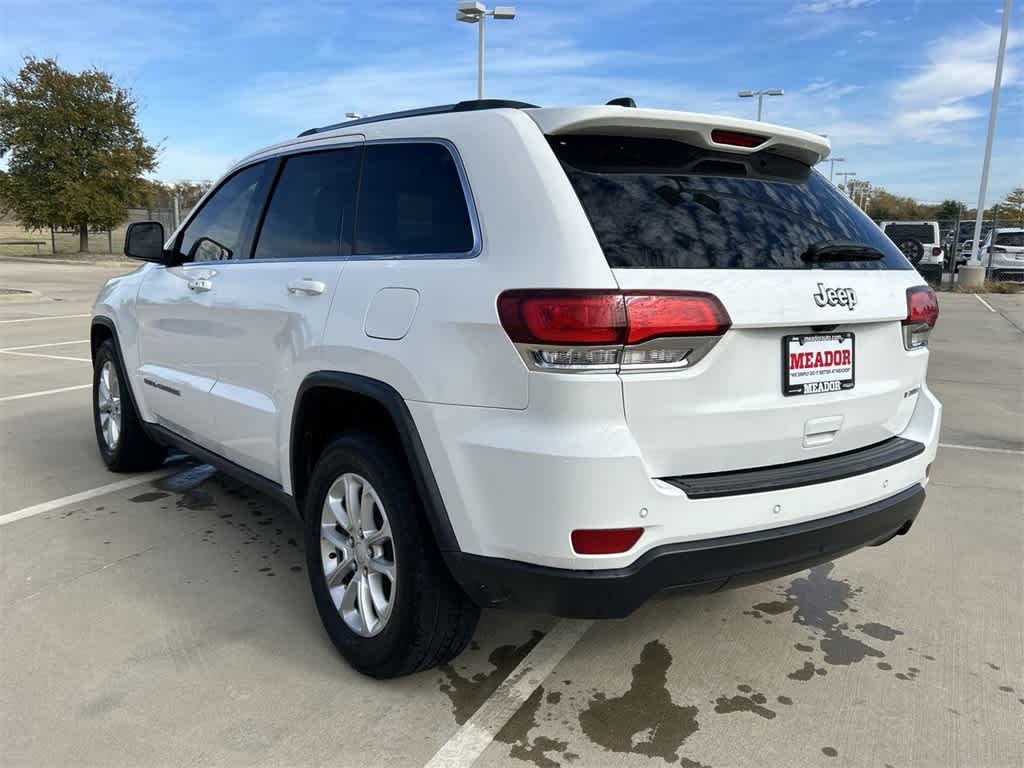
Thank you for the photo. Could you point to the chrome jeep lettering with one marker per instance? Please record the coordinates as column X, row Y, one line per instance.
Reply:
column 835, row 297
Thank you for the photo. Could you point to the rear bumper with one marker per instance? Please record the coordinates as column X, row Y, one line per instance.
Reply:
column 696, row 566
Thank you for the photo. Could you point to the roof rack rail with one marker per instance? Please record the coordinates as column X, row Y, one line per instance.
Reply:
column 440, row 109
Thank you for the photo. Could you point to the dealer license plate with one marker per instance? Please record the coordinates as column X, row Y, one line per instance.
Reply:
column 816, row 363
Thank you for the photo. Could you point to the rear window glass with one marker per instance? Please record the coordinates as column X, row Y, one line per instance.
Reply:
column 1010, row 238
column 663, row 204
column 411, row 202
column 923, row 233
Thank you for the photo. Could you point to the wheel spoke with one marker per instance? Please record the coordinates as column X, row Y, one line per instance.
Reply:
column 367, row 502
column 349, row 598
column 384, row 567
column 330, row 533
column 336, row 578
column 381, row 534
column 366, row 612
column 352, row 488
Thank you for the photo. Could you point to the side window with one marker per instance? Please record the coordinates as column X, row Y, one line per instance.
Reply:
column 311, row 206
column 215, row 234
column 411, row 201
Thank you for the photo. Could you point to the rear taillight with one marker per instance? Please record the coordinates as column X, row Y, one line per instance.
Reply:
column 604, row 541
column 922, row 312
column 936, row 251
column 594, row 331
column 737, row 138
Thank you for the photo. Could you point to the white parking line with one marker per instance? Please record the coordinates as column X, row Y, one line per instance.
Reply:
column 469, row 742
column 987, row 305
column 41, row 346
column 76, row 498
column 958, row 447
column 27, row 395
column 49, row 357
column 44, row 317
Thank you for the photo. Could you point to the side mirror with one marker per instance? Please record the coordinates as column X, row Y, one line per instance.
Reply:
column 145, row 240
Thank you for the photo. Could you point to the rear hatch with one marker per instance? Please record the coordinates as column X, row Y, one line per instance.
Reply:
column 814, row 361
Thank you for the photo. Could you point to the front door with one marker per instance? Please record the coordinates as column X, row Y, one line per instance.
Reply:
column 181, row 337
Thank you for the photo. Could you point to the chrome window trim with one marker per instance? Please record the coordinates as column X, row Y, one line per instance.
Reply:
column 349, row 141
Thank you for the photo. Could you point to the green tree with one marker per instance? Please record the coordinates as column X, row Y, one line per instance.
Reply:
column 1015, row 202
column 76, row 154
column 950, row 210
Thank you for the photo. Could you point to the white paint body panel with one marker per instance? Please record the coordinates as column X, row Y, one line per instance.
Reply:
column 523, row 457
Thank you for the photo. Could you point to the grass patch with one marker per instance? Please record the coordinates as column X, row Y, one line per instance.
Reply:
column 991, row 286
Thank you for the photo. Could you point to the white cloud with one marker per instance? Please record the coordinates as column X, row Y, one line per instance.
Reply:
column 959, row 68
column 828, row 6
column 183, row 161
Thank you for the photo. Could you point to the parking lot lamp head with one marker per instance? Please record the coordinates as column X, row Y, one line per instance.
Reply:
column 760, row 97
column 477, row 13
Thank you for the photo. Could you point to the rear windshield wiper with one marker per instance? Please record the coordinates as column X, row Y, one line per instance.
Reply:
column 841, row 250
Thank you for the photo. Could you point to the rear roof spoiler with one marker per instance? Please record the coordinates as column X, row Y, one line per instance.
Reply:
column 691, row 127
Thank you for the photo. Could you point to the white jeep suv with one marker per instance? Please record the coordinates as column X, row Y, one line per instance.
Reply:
column 920, row 243
column 553, row 359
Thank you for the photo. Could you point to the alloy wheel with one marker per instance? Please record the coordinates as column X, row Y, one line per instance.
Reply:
column 358, row 554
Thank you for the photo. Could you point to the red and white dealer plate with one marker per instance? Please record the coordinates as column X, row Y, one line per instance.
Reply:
column 816, row 363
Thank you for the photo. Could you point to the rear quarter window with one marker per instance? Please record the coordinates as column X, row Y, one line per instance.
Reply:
column 411, row 202
column 662, row 204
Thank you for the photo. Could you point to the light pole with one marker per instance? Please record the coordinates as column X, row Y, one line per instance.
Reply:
column 760, row 96
column 477, row 13
column 846, row 176
column 1007, row 4
column 832, row 165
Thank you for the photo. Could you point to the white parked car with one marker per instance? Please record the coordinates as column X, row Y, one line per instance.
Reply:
column 554, row 359
column 1004, row 257
column 920, row 243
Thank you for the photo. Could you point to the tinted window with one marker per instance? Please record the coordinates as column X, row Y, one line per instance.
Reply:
column 923, row 233
column 658, row 203
column 411, row 201
column 311, row 206
column 215, row 233
column 1015, row 239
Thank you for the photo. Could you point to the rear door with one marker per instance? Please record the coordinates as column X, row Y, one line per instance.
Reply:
column 813, row 363
column 276, row 303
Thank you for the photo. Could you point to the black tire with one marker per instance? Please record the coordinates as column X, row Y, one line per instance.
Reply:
column 431, row 619
column 133, row 450
column 912, row 249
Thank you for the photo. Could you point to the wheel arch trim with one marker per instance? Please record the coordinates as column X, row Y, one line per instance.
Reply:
column 415, row 454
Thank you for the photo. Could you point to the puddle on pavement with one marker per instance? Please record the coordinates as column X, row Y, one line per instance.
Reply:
column 817, row 601
column 644, row 720
column 468, row 693
column 516, row 732
column 753, row 701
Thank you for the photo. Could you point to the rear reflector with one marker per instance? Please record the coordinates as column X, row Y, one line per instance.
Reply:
column 737, row 139
column 922, row 314
column 604, row 541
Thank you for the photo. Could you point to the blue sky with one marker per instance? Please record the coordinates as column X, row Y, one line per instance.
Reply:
column 902, row 87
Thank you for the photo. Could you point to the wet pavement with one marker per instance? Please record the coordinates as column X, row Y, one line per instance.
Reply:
column 170, row 623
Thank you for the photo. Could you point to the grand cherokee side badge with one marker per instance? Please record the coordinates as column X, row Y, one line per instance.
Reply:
column 835, row 297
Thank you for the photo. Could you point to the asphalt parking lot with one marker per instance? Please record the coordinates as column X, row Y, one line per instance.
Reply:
column 168, row 620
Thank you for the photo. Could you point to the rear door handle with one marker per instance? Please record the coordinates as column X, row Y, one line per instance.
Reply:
column 306, row 286
column 200, row 285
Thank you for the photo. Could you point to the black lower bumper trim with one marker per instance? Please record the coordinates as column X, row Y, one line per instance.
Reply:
column 824, row 469
column 700, row 566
